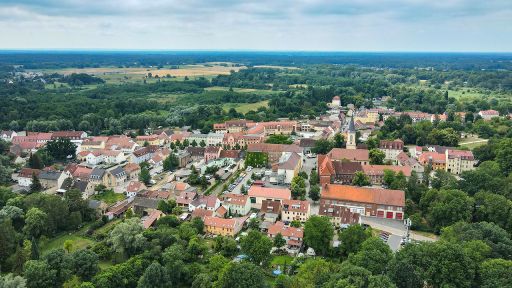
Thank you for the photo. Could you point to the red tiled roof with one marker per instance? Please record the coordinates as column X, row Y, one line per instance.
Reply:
column 296, row 206
column 377, row 170
column 28, row 172
column 349, row 154
column 236, row 199
column 285, row 231
column 364, row 195
column 269, row 192
column 268, row 148
column 201, row 213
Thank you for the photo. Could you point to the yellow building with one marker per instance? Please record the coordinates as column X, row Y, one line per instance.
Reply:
column 150, row 139
column 223, row 227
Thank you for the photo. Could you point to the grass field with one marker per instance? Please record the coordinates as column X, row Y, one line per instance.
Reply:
column 281, row 260
column 245, row 107
column 79, row 242
column 109, row 197
column 472, row 142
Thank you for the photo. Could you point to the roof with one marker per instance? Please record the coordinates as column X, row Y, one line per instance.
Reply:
column 141, row 152
column 67, row 134
column 151, row 218
column 196, row 151
column 118, row 171
column 347, row 167
column 28, row 172
column 307, row 142
column 186, row 197
column 146, row 202
column 230, row 154
column 336, row 98
column 391, row 144
column 425, row 157
column 80, row 185
column 131, row 167
column 221, row 211
column 351, row 127
column 462, row 154
column 270, row 207
column 135, row 186
column 378, row 196
column 162, row 194
column 201, row 213
column 349, row 154
column 285, row 231
column 212, row 149
column 489, row 112
column 377, row 170
column 209, row 201
column 296, row 206
column 269, row 192
column 236, row 199
column 49, row 175
column 291, row 162
column 269, row 148
column 97, row 173
column 325, row 167
column 232, row 223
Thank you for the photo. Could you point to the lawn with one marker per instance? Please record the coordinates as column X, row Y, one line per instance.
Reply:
column 472, row 142
column 79, row 242
column 281, row 260
column 245, row 107
column 109, row 197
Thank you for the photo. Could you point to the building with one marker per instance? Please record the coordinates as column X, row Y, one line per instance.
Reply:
column 489, row 114
column 372, row 202
column 183, row 158
column 196, row 153
column 341, row 215
column 391, row 149
column 212, row 153
column 134, row 188
column 297, row 210
column 75, row 137
column 294, row 236
column 8, row 135
column 404, row 160
column 115, row 176
column 237, row 204
column 132, row 171
column 271, row 210
column 274, row 151
column 257, row 194
column 144, row 140
column 141, row 155
column 214, row 139
column 354, row 155
column 25, row 176
column 376, row 172
column 185, row 198
column 221, row 226
column 458, row 161
column 210, row 202
column 351, row 135
column 288, row 167
column 51, row 179
column 336, row 102
column 336, row 171
column 436, row 160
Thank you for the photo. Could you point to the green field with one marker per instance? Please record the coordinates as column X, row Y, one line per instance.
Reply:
column 109, row 197
column 281, row 260
column 245, row 107
column 79, row 242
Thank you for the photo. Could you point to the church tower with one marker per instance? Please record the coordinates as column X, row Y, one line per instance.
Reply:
column 351, row 133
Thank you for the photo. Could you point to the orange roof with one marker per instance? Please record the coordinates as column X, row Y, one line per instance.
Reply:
column 285, row 231
column 152, row 217
column 130, row 167
column 269, row 192
column 349, row 154
column 435, row 156
column 296, row 206
column 236, row 199
column 222, row 223
column 268, row 148
column 201, row 213
column 325, row 166
column 221, row 211
column 364, row 195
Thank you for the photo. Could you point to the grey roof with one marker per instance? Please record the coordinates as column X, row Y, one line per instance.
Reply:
column 118, row 171
column 351, row 126
column 80, row 185
column 94, row 204
column 97, row 173
column 49, row 175
column 146, row 202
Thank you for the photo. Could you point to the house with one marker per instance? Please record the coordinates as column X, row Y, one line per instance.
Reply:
column 257, row 194
column 355, row 155
column 288, row 167
column 25, row 176
column 198, row 138
column 8, row 135
column 274, row 151
column 391, row 148
column 98, row 177
column 221, row 212
column 372, row 202
column 376, row 172
column 51, row 179
column 151, row 218
column 196, row 153
column 132, row 171
column 336, row 171
column 214, row 139
column 91, row 145
column 141, row 155
column 336, row 102
column 78, row 172
column 404, row 160
column 436, row 160
column 185, row 198
column 36, row 137
column 221, row 226
column 237, row 204
column 115, row 176
column 293, row 236
column 458, row 161
column 231, row 126
column 99, row 206
column 134, row 187
column 159, row 194
column 341, row 215
column 183, row 158
column 201, row 213
column 19, row 149
column 212, row 153
column 143, row 205
column 75, row 137
column 306, row 144
column 144, row 140
column 210, row 202
column 232, row 154
column 84, row 186
column 121, row 143
column 271, row 210
column 489, row 114
column 295, row 210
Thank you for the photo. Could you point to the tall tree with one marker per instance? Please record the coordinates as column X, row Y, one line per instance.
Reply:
column 155, row 276
column 318, row 233
column 36, row 185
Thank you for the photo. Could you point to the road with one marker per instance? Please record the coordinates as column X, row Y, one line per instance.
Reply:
column 394, row 227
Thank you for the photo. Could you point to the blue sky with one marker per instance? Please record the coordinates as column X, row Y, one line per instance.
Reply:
column 315, row 25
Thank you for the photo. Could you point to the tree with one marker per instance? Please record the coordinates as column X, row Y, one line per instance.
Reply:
column 39, row 274
column 155, row 276
column 85, row 264
column 322, row 146
column 35, row 186
column 35, row 223
column 377, row 157
column 318, row 233
column 298, row 187
column 242, row 275
column 61, row 149
column 495, row 273
column 373, row 255
column 257, row 246
column 360, row 179
column 60, row 263
column 443, row 179
column 11, row 281
column 144, row 176
column 445, row 207
column 338, row 141
column 171, row 162
column 279, row 241
column 313, row 177
column 127, row 237
column 504, row 155
column 352, row 238
column 35, row 162
column 314, row 193
column 8, row 240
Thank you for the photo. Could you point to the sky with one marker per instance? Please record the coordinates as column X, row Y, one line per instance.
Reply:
column 289, row 25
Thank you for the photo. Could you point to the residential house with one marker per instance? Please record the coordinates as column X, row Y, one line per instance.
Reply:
column 294, row 236
column 214, row 139
column 233, row 154
column 288, row 167
column 391, row 148
column 78, row 172
column 307, row 144
column 121, row 143
column 75, row 137
column 22, row 148
column 212, row 153
column 84, row 186
column 376, row 172
column 8, row 135
column 488, row 114
column 198, row 138
column 134, row 188
column 185, row 198
column 404, row 160
column 184, row 158
column 98, row 177
column 458, row 161
column 144, row 140
column 355, row 155
column 341, row 215
column 51, row 179
column 372, row 202
column 257, row 194
column 221, row 226
column 237, row 204
column 115, row 176
column 25, row 176
column 209, row 202
column 151, row 218
column 132, row 171
column 201, row 213
column 141, row 155
column 436, row 160
column 274, row 151
column 271, row 210
column 295, row 210
column 196, row 153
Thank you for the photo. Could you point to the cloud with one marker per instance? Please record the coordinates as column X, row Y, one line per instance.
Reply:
column 258, row 24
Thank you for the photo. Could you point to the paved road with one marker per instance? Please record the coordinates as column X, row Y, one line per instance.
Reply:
column 394, row 227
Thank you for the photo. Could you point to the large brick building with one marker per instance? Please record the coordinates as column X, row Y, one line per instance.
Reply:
column 373, row 202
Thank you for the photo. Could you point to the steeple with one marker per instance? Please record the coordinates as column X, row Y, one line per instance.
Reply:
column 351, row 126
column 351, row 133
